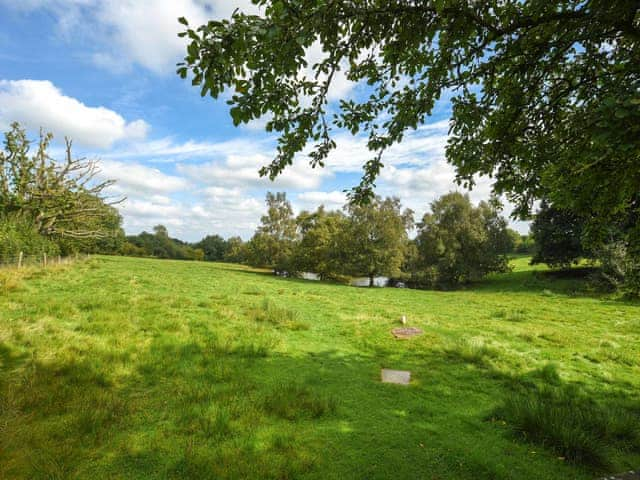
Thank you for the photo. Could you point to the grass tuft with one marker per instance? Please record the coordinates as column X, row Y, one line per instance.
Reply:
column 572, row 425
column 279, row 316
column 10, row 280
column 518, row 315
column 293, row 401
column 474, row 350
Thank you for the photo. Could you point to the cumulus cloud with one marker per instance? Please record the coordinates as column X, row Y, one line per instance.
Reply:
column 333, row 200
column 233, row 173
column 141, row 179
column 228, row 214
column 124, row 32
column 39, row 103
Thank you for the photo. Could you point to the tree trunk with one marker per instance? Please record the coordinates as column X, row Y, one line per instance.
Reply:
column 371, row 279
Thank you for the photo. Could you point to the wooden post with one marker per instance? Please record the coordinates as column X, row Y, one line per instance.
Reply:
column 59, row 259
column 20, row 259
column 44, row 260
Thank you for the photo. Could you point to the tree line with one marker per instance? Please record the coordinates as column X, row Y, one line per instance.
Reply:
column 544, row 99
column 60, row 207
column 212, row 248
column 456, row 242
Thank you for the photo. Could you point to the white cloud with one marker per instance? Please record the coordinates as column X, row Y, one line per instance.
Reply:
column 39, row 103
column 333, row 200
column 146, row 30
column 139, row 179
column 168, row 150
column 227, row 215
column 242, row 171
column 419, row 148
column 123, row 32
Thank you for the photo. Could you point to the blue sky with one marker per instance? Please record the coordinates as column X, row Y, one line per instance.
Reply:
column 103, row 73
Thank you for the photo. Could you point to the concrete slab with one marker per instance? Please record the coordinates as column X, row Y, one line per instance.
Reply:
column 406, row 332
column 400, row 377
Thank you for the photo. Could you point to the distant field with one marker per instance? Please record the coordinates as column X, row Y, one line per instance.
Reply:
column 133, row 368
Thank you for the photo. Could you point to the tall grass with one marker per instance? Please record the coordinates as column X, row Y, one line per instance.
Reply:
column 573, row 425
column 292, row 401
column 472, row 350
column 279, row 316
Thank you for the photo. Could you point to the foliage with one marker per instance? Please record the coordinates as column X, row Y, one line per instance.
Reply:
column 160, row 244
column 19, row 235
column 460, row 243
column 323, row 238
column 215, row 248
column 273, row 243
column 376, row 239
column 545, row 94
column 236, row 251
column 557, row 235
column 619, row 270
column 524, row 244
column 63, row 201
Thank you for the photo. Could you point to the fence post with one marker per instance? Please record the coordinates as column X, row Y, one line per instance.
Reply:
column 59, row 260
column 20, row 260
column 44, row 260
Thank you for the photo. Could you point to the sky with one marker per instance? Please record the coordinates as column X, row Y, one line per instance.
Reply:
column 102, row 72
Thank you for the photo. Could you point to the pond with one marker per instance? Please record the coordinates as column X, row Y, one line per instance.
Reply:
column 355, row 281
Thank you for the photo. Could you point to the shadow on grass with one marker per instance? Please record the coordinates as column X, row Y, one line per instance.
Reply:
column 215, row 407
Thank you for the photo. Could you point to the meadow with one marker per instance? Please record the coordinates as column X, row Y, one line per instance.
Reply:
column 126, row 368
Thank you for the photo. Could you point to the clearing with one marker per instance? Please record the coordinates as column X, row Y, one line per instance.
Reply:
column 141, row 368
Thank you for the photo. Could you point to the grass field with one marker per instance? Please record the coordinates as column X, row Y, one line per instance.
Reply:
column 134, row 368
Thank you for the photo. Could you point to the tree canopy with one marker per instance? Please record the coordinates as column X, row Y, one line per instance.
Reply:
column 458, row 242
column 545, row 94
column 273, row 242
column 377, row 238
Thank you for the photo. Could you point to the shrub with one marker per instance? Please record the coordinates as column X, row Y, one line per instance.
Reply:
column 620, row 270
column 19, row 235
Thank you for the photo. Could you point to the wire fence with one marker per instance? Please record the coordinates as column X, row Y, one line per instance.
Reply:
column 39, row 260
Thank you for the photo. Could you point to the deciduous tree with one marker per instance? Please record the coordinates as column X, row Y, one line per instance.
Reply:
column 458, row 242
column 272, row 245
column 321, row 248
column 62, row 200
column 377, row 238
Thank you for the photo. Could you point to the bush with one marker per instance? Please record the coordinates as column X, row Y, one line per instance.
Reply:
column 424, row 278
column 619, row 270
column 18, row 235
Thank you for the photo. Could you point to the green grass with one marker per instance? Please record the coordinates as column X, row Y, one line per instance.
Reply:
column 137, row 368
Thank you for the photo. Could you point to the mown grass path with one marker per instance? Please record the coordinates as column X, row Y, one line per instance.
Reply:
column 135, row 368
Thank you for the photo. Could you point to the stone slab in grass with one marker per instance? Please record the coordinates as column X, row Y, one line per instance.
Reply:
column 400, row 377
column 406, row 332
